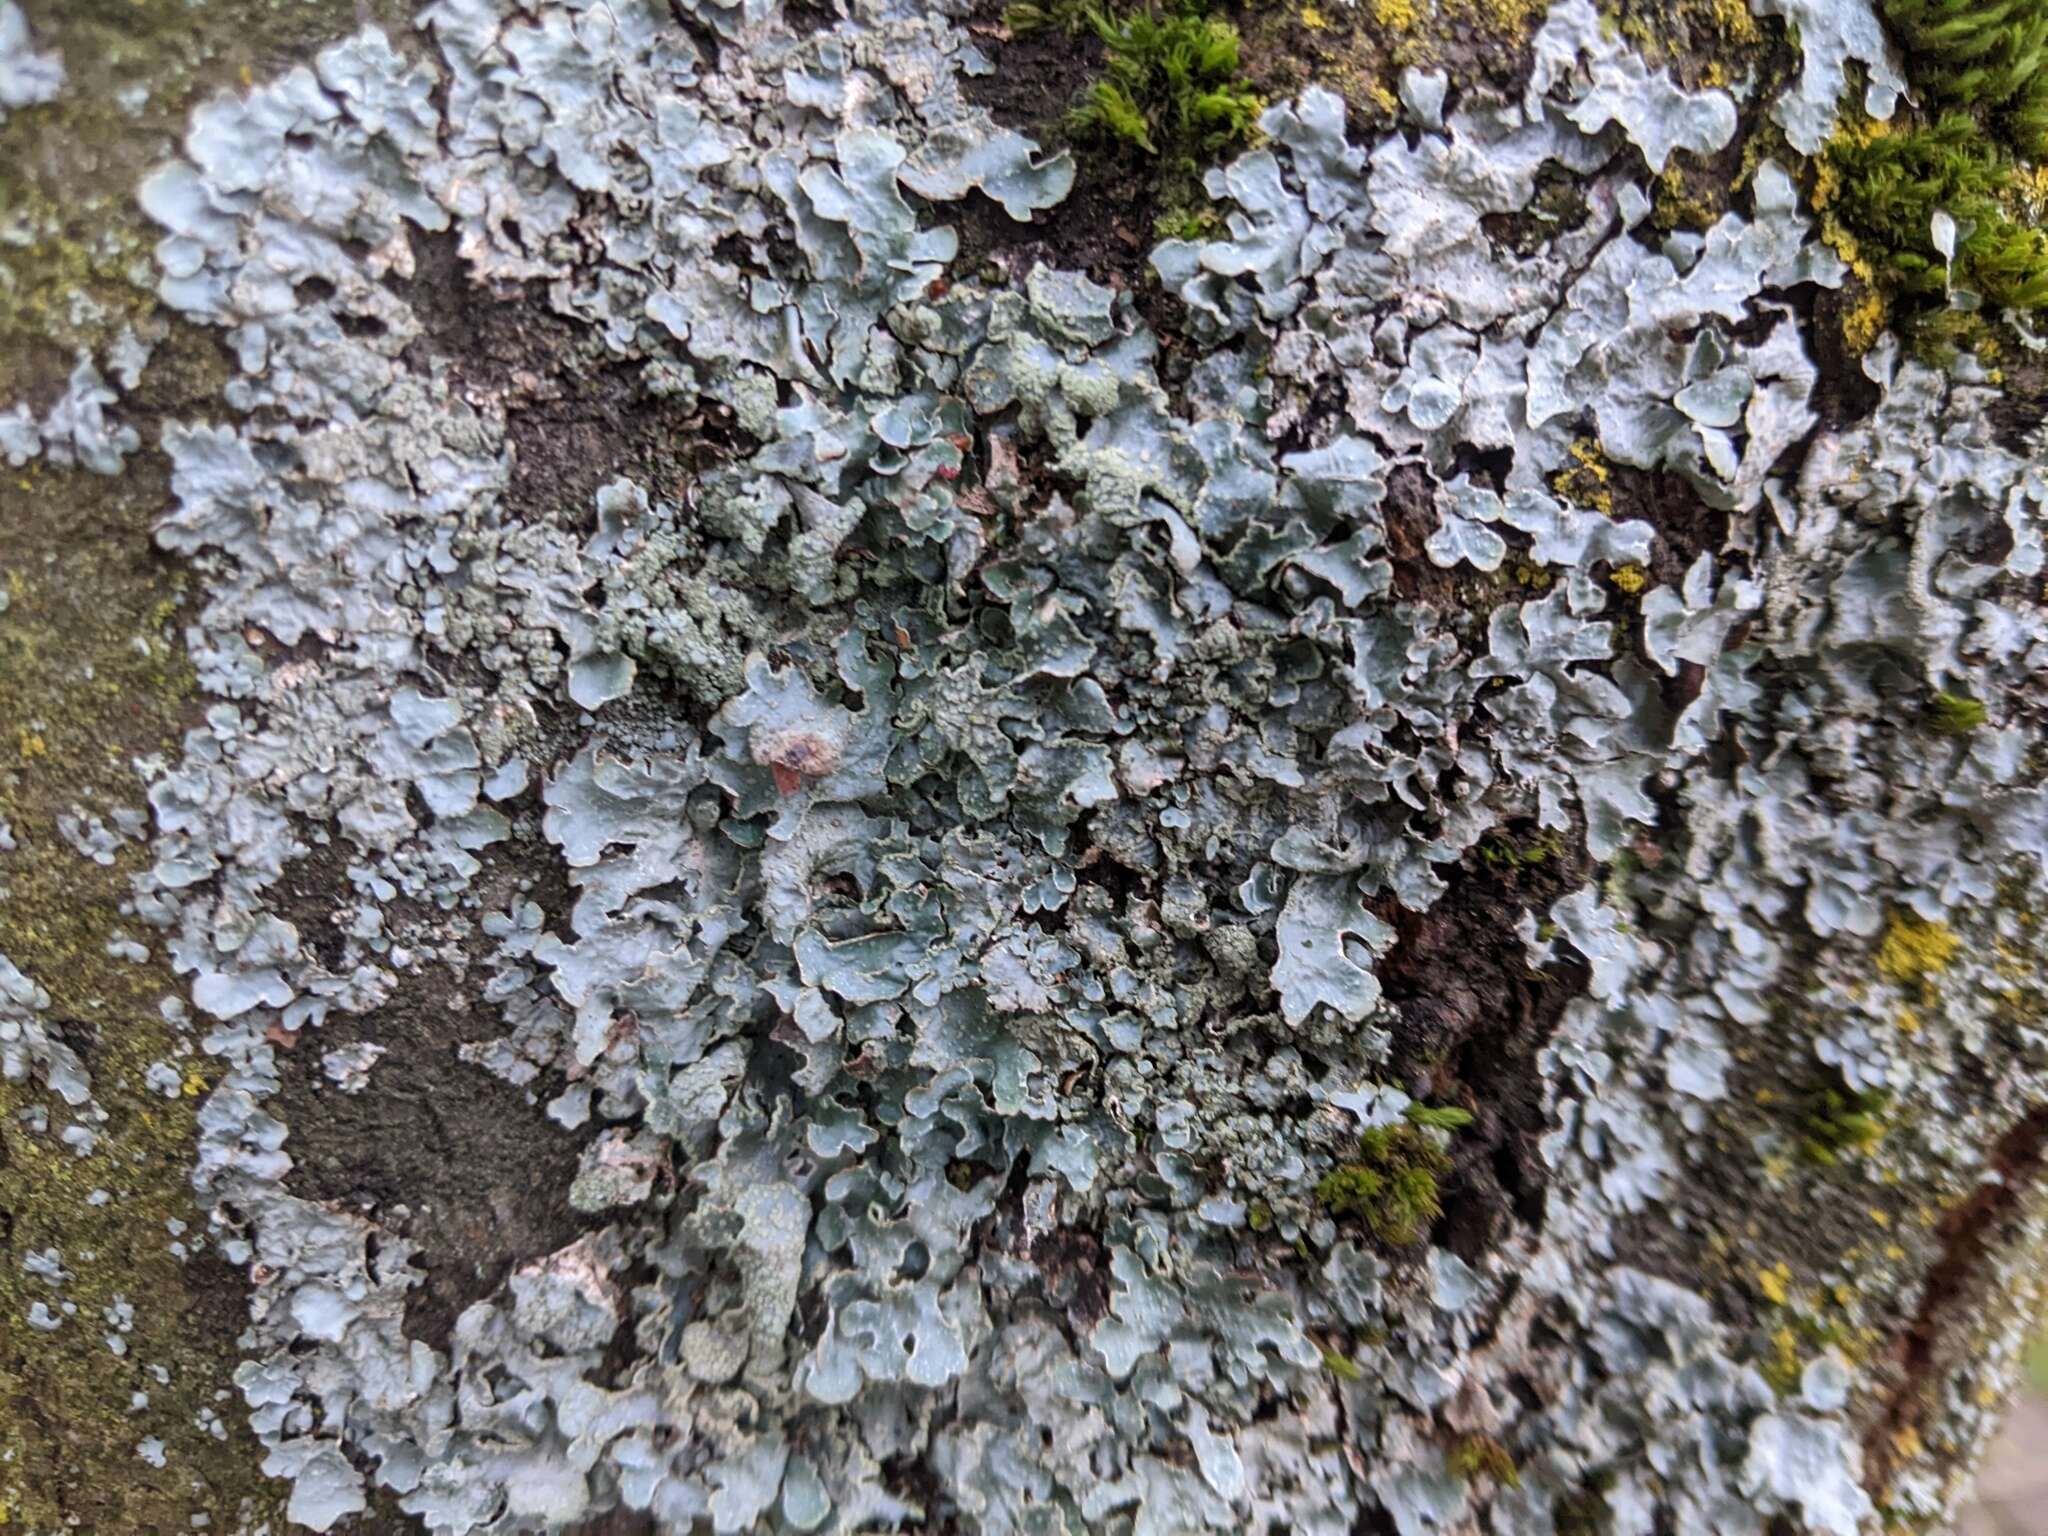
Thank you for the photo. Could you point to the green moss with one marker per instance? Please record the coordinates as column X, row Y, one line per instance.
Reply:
column 1172, row 92
column 1170, row 86
column 67, row 1427
column 1068, row 16
column 1619, row 883
column 1845, row 1124
column 1338, row 1365
column 1186, row 223
column 1885, row 188
column 1687, row 196
column 1440, row 1117
column 1986, row 56
column 1952, row 714
column 1481, row 1456
column 1503, row 853
column 1392, row 1190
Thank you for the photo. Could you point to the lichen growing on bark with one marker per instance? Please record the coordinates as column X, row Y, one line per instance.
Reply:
column 1010, row 857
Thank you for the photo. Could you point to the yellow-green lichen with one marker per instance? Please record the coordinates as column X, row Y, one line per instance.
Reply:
column 1914, row 949
column 1589, row 482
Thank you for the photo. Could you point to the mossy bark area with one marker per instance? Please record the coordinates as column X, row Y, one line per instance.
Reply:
column 76, row 263
column 1914, row 1250
column 93, row 675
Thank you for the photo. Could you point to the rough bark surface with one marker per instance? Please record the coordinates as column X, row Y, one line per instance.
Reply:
column 747, row 788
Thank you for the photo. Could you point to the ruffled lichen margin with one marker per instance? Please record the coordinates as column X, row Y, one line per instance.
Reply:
column 968, row 812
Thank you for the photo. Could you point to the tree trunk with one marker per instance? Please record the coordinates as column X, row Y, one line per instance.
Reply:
column 792, row 767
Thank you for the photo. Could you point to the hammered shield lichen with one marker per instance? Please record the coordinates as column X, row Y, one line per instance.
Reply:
column 985, row 796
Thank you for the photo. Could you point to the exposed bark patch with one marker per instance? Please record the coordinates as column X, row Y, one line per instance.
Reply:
column 1105, row 225
column 576, row 416
column 1075, row 1268
column 1969, row 1239
column 494, row 342
column 807, row 16
column 1473, row 1017
column 911, row 1479
column 620, row 1522
column 1686, row 526
column 1410, row 514
column 443, row 1153
column 1844, row 392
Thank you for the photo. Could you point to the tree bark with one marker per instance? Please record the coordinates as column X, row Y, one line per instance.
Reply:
column 753, row 785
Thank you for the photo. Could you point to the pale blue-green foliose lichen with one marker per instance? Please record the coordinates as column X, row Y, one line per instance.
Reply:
column 28, row 75
column 991, row 785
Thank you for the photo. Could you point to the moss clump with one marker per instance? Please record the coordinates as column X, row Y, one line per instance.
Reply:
column 1438, row 1117
column 1187, row 223
column 1068, row 16
column 1952, row 714
column 1968, row 170
column 1338, row 1365
column 1505, row 854
column 1845, row 1124
column 1985, row 56
column 1397, row 1205
column 1884, row 190
column 1171, row 87
column 1482, row 1456
column 1393, row 1189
